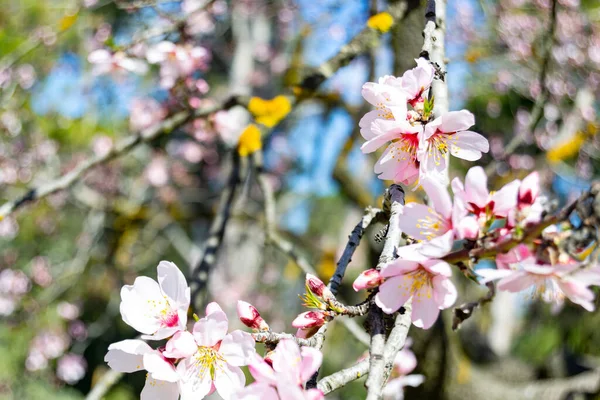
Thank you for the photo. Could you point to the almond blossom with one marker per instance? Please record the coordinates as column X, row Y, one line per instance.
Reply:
column 416, row 82
column 308, row 323
column 476, row 198
column 530, row 207
column 136, row 355
column 105, row 62
column 442, row 218
column 520, row 270
column 446, row 135
column 157, row 309
column 415, row 276
column 211, row 356
column 284, row 377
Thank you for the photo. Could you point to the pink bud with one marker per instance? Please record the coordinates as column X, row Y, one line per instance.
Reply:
column 250, row 316
column 307, row 333
column 309, row 319
column 468, row 228
column 529, row 189
column 368, row 279
column 315, row 285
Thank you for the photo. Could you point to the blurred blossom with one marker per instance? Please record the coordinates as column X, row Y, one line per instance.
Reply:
column 551, row 112
column 157, row 172
column 71, row 368
column 5, row 77
column 11, row 122
column 177, row 61
column 144, row 113
column 8, row 228
column 40, row 271
column 494, row 108
column 229, row 124
column 68, row 310
column 7, row 306
column 89, row 3
column 14, row 282
column 200, row 23
column 26, row 76
column 192, row 152
column 103, row 32
column 51, row 345
column 78, row 330
column 36, row 361
column 102, row 145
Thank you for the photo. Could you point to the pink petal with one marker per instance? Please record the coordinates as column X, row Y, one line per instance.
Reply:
column 159, row 390
column 439, row 197
column 313, row 394
column 181, row 345
column 455, row 121
column 365, row 124
column 505, row 199
column 424, row 312
column 228, row 380
column 438, row 246
column 530, row 188
column 444, row 292
column 578, row 293
column 237, row 348
column 159, row 368
column 173, row 284
column 257, row 391
column 421, row 222
column 476, row 190
column 212, row 307
column 398, row 267
column 261, row 370
column 437, row 267
column 311, row 361
column 289, row 391
column 517, row 281
column 211, row 329
column 468, row 145
column 286, row 361
column 394, row 293
column 467, row 228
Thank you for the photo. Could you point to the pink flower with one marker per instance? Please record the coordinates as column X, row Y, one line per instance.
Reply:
column 157, row 309
column 530, row 207
column 552, row 283
column 442, row 218
column 284, row 379
column 105, row 62
column 416, row 82
column 317, row 287
column 426, row 281
column 211, row 356
column 250, row 316
column 476, row 198
column 448, row 134
column 368, row 279
column 71, row 368
column 134, row 355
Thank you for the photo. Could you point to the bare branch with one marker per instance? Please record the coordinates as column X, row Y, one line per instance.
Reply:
column 343, row 377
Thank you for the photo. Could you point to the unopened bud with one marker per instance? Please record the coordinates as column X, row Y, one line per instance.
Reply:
column 250, row 316
column 309, row 319
column 317, row 287
column 368, row 279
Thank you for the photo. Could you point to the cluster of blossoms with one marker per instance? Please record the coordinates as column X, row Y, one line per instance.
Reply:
column 419, row 149
column 193, row 364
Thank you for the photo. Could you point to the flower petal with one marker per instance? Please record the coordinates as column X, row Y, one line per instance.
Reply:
column 173, row 284
column 311, row 361
column 127, row 355
column 444, row 292
column 159, row 390
column 468, row 145
column 211, row 329
column 425, row 312
column 455, row 121
column 181, row 345
column 159, row 368
column 228, row 380
column 394, row 293
column 237, row 348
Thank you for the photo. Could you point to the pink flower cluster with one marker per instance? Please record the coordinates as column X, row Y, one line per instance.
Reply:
column 191, row 364
column 418, row 147
column 194, row 364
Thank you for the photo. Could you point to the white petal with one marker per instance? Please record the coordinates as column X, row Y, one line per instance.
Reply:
column 468, row 145
column 228, row 380
column 127, row 356
column 159, row 390
column 159, row 368
column 237, row 348
column 211, row 329
column 173, row 283
column 141, row 304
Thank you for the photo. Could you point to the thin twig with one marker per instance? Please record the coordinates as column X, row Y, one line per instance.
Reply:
column 201, row 272
column 342, row 378
column 108, row 380
column 464, row 312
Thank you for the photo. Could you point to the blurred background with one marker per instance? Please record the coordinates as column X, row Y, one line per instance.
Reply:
column 64, row 259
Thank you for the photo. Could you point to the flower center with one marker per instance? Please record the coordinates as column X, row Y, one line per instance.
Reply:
column 384, row 111
column 206, row 360
column 418, row 284
column 432, row 224
column 405, row 148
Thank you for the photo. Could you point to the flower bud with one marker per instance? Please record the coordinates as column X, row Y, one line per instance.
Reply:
column 309, row 319
column 250, row 316
column 317, row 287
column 368, row 279
column 306, row 333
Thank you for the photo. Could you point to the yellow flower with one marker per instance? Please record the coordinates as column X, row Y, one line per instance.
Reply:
column 566, row 149
column 250, row 141
column 381, row 22
column 269, row 112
